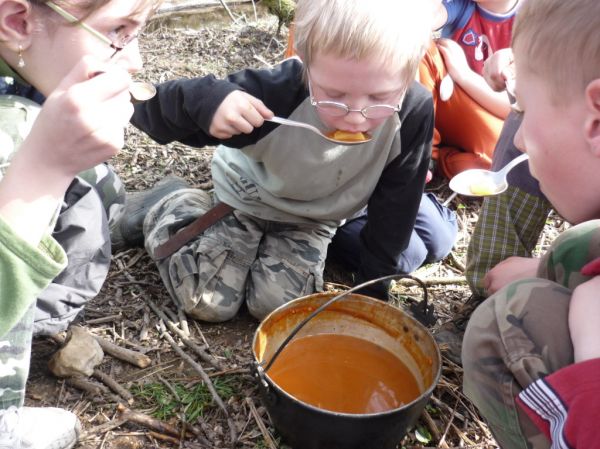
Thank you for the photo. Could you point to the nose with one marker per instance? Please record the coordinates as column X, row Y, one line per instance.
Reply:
column 518, row 139
column 130, row 57
column 355, row 118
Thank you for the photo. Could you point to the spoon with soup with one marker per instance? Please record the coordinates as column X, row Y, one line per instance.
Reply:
column 478, row 182
column 338, row 136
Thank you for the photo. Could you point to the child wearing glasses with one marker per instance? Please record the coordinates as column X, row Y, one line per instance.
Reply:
column 290, row 189
column 45, row 225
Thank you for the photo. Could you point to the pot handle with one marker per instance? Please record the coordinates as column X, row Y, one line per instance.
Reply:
column 422, row 312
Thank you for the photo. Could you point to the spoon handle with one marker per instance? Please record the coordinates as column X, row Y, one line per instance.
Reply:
column 508, row 167
column 284, row 121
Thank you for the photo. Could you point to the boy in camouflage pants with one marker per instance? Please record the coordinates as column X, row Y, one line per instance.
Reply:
column 289, row 188
column 531, row 353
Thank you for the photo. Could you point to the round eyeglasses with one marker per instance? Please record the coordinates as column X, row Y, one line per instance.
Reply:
column 338, row 109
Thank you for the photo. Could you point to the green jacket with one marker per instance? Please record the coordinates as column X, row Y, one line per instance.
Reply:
column 25, row 270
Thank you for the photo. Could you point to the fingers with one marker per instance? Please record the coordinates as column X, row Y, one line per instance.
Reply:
column 83, row 119
column 498, row 69
column 95, row 81
column 238, row 113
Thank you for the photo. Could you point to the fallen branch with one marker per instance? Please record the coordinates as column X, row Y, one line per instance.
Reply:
column 147, row 421
column 93, row 389
column 127, row 355
column 434, row 281
column 113, row 385
column 261, row 425
column 433, row 428
column 102, row 428
column 167, row 438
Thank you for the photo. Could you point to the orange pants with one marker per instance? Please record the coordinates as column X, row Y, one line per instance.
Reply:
column 465, row 133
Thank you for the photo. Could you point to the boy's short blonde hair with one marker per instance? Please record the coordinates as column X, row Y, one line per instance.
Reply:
column 394, row 31
column 559, row 40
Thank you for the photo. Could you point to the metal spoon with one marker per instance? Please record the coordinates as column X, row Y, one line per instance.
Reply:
column 141, row 91
column 478, row 182
column 285, row 121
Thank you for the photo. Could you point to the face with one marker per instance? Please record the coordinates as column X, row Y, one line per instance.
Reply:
column 358, row 84
column 559, row 155
column 57, row 46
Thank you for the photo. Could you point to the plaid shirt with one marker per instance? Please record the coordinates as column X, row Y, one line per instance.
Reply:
column 509, row 224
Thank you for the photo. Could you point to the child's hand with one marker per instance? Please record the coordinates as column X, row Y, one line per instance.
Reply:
column 238, row 113
column 455, row 59
column 499, row 68
column 510, row 270
column 81, row 123
column 584, row 316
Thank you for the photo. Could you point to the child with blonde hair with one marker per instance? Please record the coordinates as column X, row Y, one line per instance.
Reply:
column 289, row 189
column 531, row 354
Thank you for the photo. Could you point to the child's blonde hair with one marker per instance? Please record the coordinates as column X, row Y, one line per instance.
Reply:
column 560, row 42
column 394, row 31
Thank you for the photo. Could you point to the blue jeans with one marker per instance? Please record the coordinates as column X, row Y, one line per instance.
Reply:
column 431, row 240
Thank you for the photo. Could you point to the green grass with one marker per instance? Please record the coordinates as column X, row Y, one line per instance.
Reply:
column 192, row 401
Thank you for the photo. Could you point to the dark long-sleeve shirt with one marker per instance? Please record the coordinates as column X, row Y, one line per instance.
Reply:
column 288, row 174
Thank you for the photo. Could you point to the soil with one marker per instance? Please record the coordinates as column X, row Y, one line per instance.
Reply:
column 121, row 313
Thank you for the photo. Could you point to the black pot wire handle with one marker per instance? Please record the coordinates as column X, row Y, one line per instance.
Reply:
column 422, row 311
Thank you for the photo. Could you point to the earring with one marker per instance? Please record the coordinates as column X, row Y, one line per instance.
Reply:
column 21, row 61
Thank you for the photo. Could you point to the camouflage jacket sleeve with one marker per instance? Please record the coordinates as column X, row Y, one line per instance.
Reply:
column 566, row 405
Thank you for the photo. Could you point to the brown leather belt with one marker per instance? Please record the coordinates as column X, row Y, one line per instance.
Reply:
column 192, row 230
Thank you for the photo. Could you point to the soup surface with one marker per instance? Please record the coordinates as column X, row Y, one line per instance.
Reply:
column 344, row 374
column 346, row 136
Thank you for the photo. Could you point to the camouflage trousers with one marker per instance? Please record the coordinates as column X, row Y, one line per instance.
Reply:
column 82, row 230
column 239, row 258
column 521, row 334
column 15, row 351
column 94, row 199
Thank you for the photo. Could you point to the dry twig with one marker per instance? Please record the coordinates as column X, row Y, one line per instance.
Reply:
column 113, row 385
column 127, row 355
column 261, row 425
column 199, row 350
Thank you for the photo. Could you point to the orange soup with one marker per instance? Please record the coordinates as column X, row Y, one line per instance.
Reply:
column 346, row 136
column 344, row 374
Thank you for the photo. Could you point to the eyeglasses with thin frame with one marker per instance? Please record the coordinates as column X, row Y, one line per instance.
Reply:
column 338, row 109
column 117, row 45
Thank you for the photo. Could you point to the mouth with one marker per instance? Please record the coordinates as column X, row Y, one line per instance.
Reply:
column 348, row 136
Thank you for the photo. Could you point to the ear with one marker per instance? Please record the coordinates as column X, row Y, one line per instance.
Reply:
column 16, row 25
column 592, row 121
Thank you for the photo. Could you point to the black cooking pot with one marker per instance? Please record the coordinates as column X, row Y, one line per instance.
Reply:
column 304, row 426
